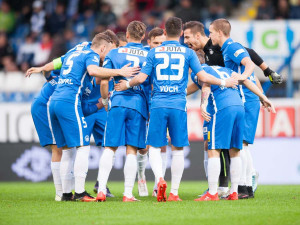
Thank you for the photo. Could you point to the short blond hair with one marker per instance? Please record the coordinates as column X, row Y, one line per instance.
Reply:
column 222, row 25
column 100, row 39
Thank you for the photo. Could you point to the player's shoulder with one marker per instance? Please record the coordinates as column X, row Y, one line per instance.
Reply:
column 232, row 45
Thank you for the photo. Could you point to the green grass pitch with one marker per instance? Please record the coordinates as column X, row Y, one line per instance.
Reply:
column 33, row 203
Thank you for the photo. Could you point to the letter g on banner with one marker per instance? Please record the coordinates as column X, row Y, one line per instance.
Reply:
column 270, row 39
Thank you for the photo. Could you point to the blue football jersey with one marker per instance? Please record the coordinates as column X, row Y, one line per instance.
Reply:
column 49, row 87
column 168, row 66
column 74, row 74
column 220, row 97
column 233, row 54
column 134, row 98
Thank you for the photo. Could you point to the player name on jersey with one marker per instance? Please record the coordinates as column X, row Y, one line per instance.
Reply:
column 133, row 51
column 170, row 49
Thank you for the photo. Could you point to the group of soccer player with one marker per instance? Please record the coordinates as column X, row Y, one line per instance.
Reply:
column 133, row 95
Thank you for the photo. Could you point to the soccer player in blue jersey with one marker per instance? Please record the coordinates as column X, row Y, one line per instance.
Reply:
column 237, row 58
column 68, row 123
column 224, row 129
column 168, row 65
column 126, row 122
column 41, row 119
column 155, row 38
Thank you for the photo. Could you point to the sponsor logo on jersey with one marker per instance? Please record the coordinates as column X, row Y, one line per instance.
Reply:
column 167, row 88
column 170, row 49
column 65, row 81
column 96, row 59
column 87, row 138
column 211, row 51
column 238, row 52
column 53, row 82
column 133, row 51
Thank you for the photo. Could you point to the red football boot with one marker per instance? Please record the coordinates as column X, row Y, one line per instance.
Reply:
column 208, row 197
column 174, row 198
column 132, row 199
column 84, row 197
column 233, row 196
column 161, row 190
column 101, row 197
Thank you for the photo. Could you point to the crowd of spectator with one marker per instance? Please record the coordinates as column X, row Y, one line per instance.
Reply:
column 278, row 9
column 33, row 31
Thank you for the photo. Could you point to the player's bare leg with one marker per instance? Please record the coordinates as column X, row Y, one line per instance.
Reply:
column 213, row 172
column 130, row 169
column 142, row 160
column 105, row 166
column 235, row 173
column 164, row 167
column 55, row 168
column 177, row 168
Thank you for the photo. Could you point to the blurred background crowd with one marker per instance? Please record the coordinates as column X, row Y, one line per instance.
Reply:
column 33, row 32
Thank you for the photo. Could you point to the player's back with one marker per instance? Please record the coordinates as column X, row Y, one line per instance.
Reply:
column 170, row 63
column 135, row 97
column 222, row 97
column 74, row 74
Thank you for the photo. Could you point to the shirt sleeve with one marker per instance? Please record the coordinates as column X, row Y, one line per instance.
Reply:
column 237, row 53
column 148, row 64
column 194, row 80
column 88, row 109
column 108, row 62
column 92, row 59
column 194, row 62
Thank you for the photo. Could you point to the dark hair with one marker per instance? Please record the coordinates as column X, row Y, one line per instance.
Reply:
column 136, row 30
column 222, row 25
column 121, row 36
column 195, row 27
column 100, row 39
column 173, row 27
column 155, row 32
column 113, row 37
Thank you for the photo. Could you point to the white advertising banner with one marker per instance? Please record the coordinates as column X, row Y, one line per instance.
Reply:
column 277, row 160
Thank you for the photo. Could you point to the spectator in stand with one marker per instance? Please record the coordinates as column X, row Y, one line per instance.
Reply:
column 132, row 13
column 106, row 17
column 152, row 21
column 186, row 11
column 69, row 39
column 120, row 26
column 27, row 52
column 216, row 11
column 265, row 10
column 7, row 18
column 295, row 11
column 56, row 22
column 37, row 20
column 282, row 10
column 5, row 48
column 9, row 64
column 42, row 54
